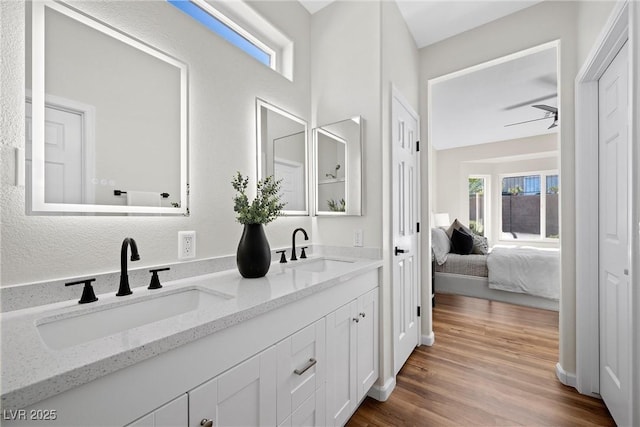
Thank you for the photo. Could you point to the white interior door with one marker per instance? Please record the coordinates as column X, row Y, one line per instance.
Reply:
column 406, row 257
column 292, row 186
column 63, row 155
column 614, row 250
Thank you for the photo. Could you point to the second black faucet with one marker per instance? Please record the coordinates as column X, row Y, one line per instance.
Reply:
column 293, row 242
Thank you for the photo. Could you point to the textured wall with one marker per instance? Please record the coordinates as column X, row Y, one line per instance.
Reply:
column 223, row 84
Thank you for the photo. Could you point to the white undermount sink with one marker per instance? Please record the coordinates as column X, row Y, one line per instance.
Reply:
column 59, row 333
column 321, row 265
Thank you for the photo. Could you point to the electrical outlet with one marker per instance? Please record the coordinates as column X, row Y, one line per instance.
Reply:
column 358, row 238
column 186, row 244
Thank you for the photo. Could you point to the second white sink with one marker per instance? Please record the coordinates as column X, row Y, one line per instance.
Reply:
column 321, row 265
column 59, row 333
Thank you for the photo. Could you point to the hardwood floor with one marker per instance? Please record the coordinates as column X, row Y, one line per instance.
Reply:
column 492, row 364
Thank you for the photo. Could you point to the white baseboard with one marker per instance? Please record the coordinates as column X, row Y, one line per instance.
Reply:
column 428, row 339
column 565, row 377
column 382, row 393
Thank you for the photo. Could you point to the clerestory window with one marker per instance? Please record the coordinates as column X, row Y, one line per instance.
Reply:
column 256, row 37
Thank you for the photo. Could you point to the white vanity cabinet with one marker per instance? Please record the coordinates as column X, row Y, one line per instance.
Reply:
column 304, row 363
column 352, row 356
column 172, row 414
column 243, row 396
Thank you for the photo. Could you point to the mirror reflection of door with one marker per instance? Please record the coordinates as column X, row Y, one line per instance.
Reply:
column 288, row 165
column 64, row 162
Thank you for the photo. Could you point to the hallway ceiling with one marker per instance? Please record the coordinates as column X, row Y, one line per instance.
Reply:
column 500, row 95
column 432, row 21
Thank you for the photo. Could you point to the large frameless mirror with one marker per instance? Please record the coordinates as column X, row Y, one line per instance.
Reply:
column 282, row 152
column 338, row 167
column 106, row 119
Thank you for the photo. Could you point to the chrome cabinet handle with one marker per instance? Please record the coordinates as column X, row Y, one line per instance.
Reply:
column 355, row 319
column 363, row 315
column 206, row 423
column 309, row 364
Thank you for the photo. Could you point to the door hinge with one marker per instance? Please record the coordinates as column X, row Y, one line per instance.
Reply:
column 418, row 311
column 418, row 227
column 417, row 145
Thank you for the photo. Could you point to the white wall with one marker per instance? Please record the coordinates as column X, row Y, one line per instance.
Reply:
column 453, row 167
column 359, row 49
column 591, row 17
column 576, row 25
column 223, row 85
column 345, row 82
column 399, row 68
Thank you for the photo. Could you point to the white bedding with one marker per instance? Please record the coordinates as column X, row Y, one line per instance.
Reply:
column 528, row 270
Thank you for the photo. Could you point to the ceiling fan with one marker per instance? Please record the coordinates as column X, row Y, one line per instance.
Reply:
column 549, row 113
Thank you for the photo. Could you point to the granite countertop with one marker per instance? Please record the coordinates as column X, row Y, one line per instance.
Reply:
column 33, row 371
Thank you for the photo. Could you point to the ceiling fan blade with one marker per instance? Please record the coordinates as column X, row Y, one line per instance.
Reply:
column 531, row 101
column 546, row 108
column 528, row 121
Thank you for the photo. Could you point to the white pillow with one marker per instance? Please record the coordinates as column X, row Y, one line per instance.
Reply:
column 440, row 244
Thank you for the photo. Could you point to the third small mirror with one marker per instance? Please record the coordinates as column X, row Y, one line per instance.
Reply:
column 338, row 167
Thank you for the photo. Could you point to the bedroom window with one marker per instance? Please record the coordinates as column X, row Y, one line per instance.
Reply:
column 530, row 206
column 477, row 204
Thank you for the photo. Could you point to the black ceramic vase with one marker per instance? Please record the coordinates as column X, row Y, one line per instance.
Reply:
column 254, row 254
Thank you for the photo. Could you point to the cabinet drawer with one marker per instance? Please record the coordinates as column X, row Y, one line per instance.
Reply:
column 300, row 367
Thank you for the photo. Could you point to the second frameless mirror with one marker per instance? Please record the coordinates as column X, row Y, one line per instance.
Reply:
column 282, row 152
column 338, row 166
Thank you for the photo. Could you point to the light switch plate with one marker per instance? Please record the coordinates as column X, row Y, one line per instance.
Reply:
column 358, row 238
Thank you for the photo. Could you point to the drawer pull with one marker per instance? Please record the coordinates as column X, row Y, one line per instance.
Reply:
column 206, row 423
column 306, row 368
column 363, row 315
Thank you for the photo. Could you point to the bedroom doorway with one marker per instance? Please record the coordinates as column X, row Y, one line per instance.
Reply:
column 502, row 120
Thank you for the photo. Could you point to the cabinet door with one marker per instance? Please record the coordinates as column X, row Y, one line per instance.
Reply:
column 341, row 363
column 311, row 413
column 243, row 396
column 367, row 360
column 172, row 414
column 301, row 367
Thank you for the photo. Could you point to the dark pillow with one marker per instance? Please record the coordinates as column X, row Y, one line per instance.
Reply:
column 461, row 242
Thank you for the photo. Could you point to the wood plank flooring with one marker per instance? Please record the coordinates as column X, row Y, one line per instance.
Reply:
column 492, row 364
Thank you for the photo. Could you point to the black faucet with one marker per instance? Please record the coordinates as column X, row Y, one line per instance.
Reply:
column 293, row 242
column 124, row 288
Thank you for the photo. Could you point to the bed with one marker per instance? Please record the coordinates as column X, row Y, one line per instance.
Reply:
column 518, row 275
